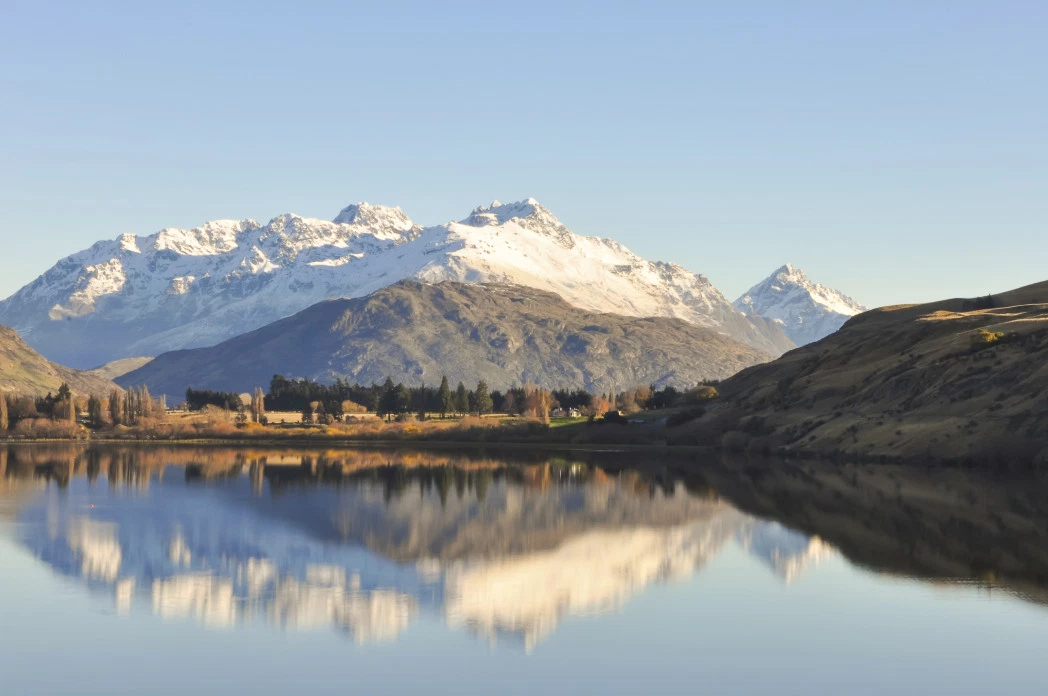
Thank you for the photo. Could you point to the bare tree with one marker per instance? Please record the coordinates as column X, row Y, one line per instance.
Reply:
column 537, row 402
column 145, row 402
column 258, row 405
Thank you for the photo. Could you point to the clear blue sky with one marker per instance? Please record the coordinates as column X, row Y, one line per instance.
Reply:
column 896, row 150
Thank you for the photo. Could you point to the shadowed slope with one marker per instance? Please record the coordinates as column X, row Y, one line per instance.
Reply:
column 417, row 332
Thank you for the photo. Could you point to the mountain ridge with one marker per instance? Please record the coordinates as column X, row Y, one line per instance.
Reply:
column 417, row 332
column 190, row 288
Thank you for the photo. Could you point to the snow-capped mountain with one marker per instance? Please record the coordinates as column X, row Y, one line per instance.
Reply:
column 806, row 311
column 189, row 288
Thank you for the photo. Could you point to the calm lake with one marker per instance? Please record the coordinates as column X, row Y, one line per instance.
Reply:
column 199, row 570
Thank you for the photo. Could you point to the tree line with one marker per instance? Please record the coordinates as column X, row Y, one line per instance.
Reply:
column 120, row 407
column 324, row 402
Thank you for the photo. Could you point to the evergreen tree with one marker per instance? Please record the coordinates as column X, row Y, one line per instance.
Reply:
column 482, row 398
column 461, row 399
column 420, row 401
column 402, row 400
column 387, row 403
column 447, row 403
column 307, row 414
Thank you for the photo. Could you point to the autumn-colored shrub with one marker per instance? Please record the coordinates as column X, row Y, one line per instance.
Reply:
column 45, row 428
column 983, row 337
column 701, row 394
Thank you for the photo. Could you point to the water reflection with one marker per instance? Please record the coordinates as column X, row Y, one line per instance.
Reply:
column 505, row 547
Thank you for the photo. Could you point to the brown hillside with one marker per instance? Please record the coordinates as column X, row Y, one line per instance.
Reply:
column 962, row 380
column 24, row 371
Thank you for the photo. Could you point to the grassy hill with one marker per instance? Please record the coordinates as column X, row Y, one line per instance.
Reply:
column 416, row 332
column 962, row 380
column 24, row 371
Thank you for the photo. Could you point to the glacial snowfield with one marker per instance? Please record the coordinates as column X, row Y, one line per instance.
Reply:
column 182, row 288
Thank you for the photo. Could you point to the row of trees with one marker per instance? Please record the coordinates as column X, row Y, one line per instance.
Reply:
column 119, row 407
column 322, row 402
column 16, row 408
column 196, row 399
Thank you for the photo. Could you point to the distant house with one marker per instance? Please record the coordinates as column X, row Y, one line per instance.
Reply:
column 557, row 413
column 574, row 413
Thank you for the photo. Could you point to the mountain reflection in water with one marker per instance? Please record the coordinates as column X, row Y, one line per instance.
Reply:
column 505, row 547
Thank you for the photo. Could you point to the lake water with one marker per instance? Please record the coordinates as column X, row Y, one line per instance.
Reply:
column 156, row 570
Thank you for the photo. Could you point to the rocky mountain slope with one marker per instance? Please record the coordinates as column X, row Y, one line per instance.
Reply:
column 416, row 332
column 962, row 380
column 189, row 288
column 805, row 310
column 24, row 371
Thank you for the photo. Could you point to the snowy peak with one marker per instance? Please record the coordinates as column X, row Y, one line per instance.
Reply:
column 807, row 311
column 499, row 213
column 378, row 217
column 528, row 214
column 210, row 239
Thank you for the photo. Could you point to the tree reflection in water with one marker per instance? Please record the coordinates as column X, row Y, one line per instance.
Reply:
column 504, row 545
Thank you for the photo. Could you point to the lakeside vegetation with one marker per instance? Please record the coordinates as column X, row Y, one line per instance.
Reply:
column 306, row 411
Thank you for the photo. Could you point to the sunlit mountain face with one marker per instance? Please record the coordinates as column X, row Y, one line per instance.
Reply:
column 307, row 541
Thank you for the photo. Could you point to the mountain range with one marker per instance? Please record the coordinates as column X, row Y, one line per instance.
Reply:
column 180, row 288
column 417, row 332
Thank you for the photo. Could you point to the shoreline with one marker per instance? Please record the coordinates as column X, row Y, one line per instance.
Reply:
column 791, row 456
column 366, row 444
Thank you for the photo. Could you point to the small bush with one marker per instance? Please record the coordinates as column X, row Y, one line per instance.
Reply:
column 45, row 428
column 735, row 441
column 984, row 338
column 685, row 416
column 701, row 394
